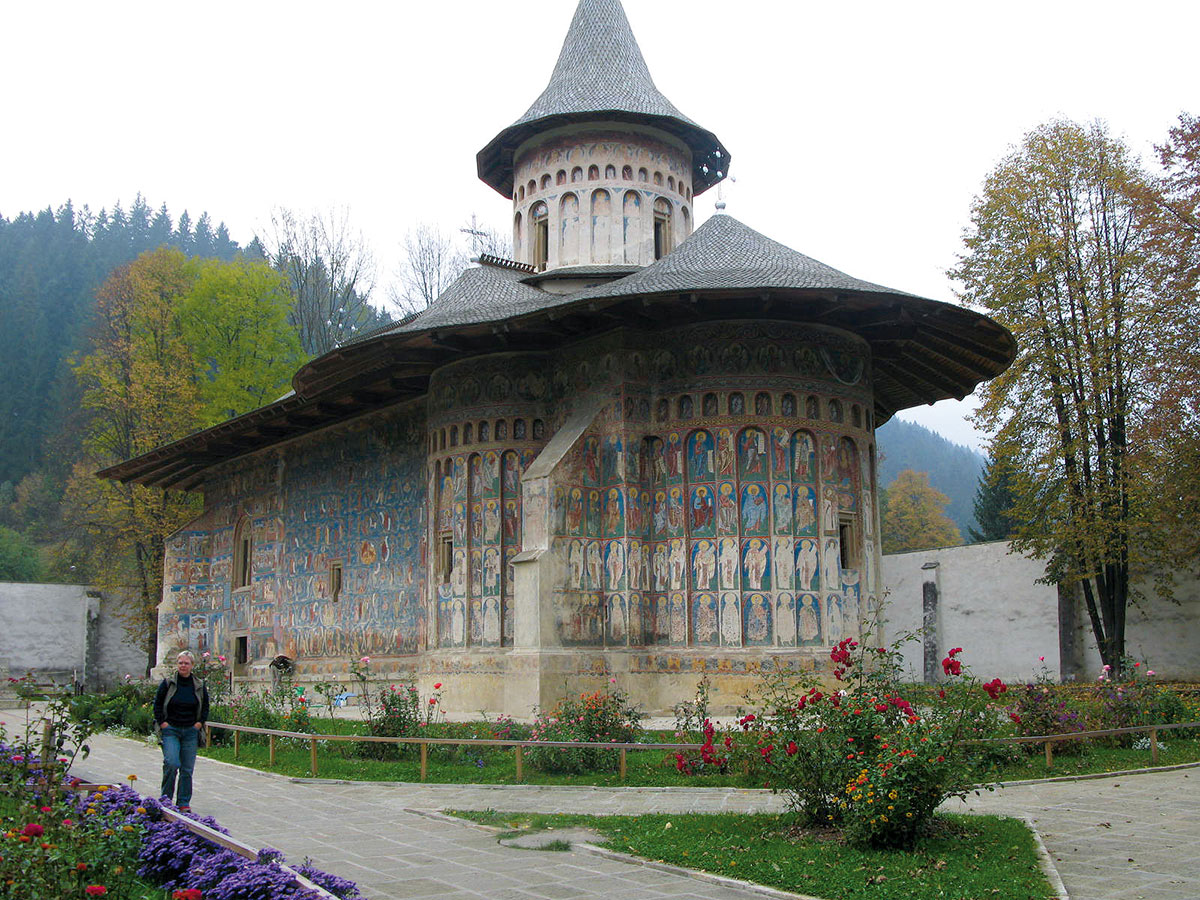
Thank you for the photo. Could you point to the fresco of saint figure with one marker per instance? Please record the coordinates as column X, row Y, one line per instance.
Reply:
column 756, row 564
column 731, row 621
column 704, row 565
column 810, row 619
column 752, row 454
column 704, row 619
column 727, row 515
column 700, row 457
column 702, row 519
column 724, row 452
column 754, row 509
column 758, row 620
column 807, row 565
column 782, row 502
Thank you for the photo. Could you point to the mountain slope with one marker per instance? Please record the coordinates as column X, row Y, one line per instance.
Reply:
column 953, row 469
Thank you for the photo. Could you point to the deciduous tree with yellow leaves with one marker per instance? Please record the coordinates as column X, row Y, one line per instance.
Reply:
column 177, row 345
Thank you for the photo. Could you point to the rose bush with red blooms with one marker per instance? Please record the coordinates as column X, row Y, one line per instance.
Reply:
column 862, row 757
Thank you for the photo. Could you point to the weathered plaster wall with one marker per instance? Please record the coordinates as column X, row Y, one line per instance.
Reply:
column 114, row 655
column 59, row 632
column 43, row 628
column 1164, row 634
column 991, row 604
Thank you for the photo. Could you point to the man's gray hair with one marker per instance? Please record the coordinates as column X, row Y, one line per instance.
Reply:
column 188, row 653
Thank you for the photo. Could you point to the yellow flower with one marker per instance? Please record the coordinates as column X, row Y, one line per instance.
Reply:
column 91, row 810
column 131, row 777
column 127, row 828
column 108, row 832
column 141, row 810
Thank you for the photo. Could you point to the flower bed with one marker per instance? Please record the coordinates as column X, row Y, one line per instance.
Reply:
column 113, row 843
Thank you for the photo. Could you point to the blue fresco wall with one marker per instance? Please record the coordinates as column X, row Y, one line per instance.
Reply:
column 353, row 494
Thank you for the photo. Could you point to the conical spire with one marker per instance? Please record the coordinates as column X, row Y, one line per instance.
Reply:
column 602, row 75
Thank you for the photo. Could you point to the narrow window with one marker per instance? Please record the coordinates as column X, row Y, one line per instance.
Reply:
column 243, row 554
column 561, row 177
column 593, row 173
column 468, row 432
column 335, row 580
column 445, row 558
column 627, row 173
column 610, row 171
column 662, row 228
column 241, row 651
column 848, row 539
column 577, row 174
column 540, row 218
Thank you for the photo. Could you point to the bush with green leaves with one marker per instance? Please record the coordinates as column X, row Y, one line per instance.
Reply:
column 603, row 716
column 860, row 756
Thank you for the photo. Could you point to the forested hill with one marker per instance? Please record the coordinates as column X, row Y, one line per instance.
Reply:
column 953, row 469
column 51, row 263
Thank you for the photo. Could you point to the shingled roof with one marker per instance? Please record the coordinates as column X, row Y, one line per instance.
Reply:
column 724, row 254
column 602, row 76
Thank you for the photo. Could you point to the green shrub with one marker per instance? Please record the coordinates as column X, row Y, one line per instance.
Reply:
column 861, row 756
column 601, row 716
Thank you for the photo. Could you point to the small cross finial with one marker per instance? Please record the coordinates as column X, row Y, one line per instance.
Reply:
column 720, row 204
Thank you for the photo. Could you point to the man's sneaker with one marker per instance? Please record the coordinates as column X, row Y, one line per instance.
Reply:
column 184, row 809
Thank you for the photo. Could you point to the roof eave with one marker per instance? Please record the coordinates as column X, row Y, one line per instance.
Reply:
column 710, row 159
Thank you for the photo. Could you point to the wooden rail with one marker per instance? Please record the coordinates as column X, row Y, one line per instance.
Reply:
column 424, row 742
column 1049, row 740
column 224, row 840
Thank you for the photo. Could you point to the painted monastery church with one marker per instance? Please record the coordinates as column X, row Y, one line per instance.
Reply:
column 636, row 450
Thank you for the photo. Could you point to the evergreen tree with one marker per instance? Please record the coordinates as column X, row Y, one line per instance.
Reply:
column 994, row 506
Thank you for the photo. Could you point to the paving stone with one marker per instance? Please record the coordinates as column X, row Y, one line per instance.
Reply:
column 1091, row 828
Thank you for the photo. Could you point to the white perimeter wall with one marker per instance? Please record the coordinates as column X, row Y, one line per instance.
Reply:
column 44, row 628
column 991, row 604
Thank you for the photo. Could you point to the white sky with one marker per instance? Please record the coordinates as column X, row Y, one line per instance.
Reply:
column 859, row 131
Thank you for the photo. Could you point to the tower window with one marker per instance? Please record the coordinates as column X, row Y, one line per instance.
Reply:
column 540, row 218
column 662, row 228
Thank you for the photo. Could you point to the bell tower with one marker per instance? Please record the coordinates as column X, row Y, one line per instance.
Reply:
column 602, row 169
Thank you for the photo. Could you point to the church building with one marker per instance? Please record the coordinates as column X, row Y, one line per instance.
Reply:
column 638, row 450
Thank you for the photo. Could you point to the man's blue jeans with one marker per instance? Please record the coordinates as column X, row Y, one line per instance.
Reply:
column 179, row 758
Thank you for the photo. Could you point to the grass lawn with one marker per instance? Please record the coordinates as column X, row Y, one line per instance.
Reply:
column 967, row 857
column 644, row 768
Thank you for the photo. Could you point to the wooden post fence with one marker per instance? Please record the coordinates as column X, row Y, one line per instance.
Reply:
column 1047, row 740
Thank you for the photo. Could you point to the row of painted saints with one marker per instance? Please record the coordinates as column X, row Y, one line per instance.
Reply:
column 752, row 453
column 709, row 619
column 757, row 503
column 750, row 564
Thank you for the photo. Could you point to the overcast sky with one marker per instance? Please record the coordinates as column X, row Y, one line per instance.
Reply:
column 859, row 132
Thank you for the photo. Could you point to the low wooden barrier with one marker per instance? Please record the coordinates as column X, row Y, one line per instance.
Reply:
column 1049, row 740
column 224, row 840
column 424, row 744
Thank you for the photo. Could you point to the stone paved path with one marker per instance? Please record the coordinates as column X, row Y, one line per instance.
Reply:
column 1123, row 838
